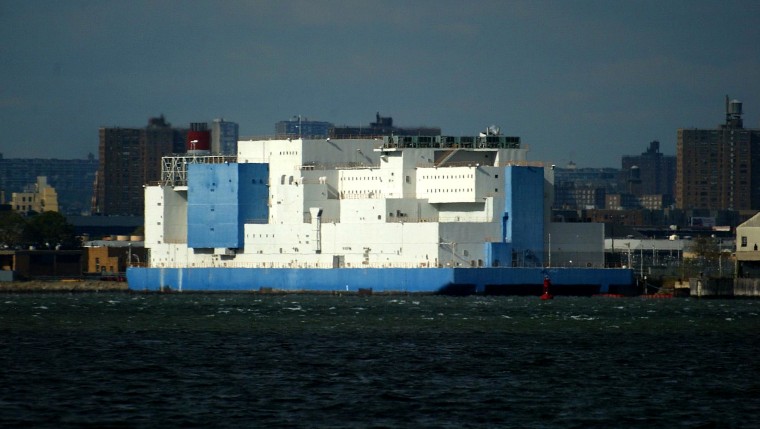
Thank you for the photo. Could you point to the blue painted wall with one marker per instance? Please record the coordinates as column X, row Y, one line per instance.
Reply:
column 524, row 204
column 254, row 194
column 498, row 254
column 378, row 279
column 220, row 198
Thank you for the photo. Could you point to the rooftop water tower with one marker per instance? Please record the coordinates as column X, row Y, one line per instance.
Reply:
column 734, row 113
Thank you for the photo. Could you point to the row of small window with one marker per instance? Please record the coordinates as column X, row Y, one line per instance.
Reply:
column 436, row 191
column 361, row 178
column 454, row 176
column 433, row 191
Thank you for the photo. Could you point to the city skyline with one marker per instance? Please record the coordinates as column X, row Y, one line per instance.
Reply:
column 584, row 81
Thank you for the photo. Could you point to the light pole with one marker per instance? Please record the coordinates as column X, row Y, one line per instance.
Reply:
column 613, row 219
column 612, row 237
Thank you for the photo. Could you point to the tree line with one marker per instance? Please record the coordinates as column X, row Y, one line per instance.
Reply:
column 47, row 230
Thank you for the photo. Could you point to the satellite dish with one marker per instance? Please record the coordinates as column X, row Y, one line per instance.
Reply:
column 493, row 130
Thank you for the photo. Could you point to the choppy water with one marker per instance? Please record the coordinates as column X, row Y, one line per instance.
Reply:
column 245, row 360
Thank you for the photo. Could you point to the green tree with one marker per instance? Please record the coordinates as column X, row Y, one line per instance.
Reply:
column 706, row 248
column 50, row 230
column 706, row 260
column 12, row 226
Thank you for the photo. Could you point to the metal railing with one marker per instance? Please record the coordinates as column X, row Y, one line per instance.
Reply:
column 475, row 164
column 174, row 168
column 451, row 142
column 317, row 265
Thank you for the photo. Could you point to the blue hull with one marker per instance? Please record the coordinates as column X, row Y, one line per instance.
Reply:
column 497, row 281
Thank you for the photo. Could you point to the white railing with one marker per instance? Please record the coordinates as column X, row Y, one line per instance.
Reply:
column 474, row 164
column 318, row 265
column 174, row 168
column 338, row 166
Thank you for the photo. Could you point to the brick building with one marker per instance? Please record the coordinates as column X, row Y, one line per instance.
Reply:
column 715, row 166
column 129, row 159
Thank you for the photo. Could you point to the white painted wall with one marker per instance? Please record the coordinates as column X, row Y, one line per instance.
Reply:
column 360, row 219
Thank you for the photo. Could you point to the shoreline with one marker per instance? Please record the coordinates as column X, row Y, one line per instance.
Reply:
column 63, row 286
column 68, row 286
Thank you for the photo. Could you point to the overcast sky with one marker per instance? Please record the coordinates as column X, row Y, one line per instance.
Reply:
column 587, row 81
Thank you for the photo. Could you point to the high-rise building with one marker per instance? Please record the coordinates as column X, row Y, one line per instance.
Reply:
column 383, row 126
column 715, row 166
column 656, row 172
column 71, row 178
column 299, row 126
column 157, row 140
column 224, row 137
column 119, row 177
column 39, row 197
column 583, row 188
column 129, row 159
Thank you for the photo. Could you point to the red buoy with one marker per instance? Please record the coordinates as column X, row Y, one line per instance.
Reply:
column 547, row 294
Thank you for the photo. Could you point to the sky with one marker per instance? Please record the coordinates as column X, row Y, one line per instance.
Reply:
column 578, row 80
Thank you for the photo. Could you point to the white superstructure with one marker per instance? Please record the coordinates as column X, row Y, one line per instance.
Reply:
column 406, row 202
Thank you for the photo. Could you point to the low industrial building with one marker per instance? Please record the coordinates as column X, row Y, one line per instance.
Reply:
column 747, row 250
column 110, row 258
column 40, row 264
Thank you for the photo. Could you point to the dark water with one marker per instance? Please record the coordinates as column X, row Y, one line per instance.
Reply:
column 244, row 360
